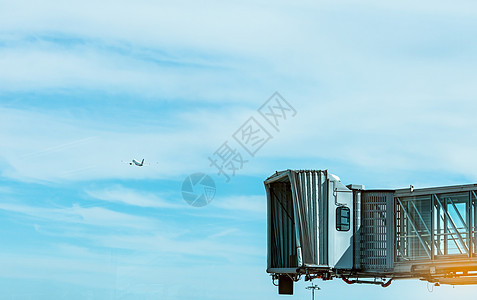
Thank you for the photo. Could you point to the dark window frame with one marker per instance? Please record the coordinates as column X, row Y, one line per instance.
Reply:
column 343, row 226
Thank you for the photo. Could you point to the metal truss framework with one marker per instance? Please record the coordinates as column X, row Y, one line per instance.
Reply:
column 434, row 226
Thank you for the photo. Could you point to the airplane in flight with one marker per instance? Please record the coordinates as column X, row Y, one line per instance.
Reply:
column 137, row 163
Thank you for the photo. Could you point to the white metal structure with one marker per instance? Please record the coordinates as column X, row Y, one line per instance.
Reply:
column 320, row 228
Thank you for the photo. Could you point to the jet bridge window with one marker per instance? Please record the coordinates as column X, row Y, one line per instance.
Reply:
column 342, row 218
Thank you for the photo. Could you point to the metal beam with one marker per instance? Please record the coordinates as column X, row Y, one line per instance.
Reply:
column 468, row 212
column 434, row 247
column 406, row 192
column 474, row 223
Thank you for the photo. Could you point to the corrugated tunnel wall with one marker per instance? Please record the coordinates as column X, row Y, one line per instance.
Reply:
column 282, row 231
column 311, row 202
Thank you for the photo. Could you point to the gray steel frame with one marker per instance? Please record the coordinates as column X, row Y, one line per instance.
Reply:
column 446, row 224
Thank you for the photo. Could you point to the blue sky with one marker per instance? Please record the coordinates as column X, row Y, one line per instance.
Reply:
column 385, row 96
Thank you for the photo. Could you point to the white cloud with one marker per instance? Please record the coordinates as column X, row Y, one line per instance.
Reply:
column 55, row 148
column 46, row 64
column 209, row 247
column 119, row 194
column 306, row 49
column 240, row 204
column 96, row 216
column 133, row 276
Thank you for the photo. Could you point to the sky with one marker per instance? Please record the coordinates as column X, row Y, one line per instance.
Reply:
column 379, row 93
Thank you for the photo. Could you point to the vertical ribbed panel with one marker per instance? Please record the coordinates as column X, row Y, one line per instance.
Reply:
column 309, row 193
column 282, row 227
column 377, row 231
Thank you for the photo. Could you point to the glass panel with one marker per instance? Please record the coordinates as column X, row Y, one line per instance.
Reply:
column 451, row 234
column 342, row 218
column 413, row 221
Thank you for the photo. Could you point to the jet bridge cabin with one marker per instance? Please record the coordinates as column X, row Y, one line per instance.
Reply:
column 320, row 228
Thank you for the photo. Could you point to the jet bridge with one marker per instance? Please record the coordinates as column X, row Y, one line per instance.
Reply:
column 320, row 228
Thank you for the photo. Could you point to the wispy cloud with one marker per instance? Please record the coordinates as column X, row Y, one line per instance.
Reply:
column 242, row 204
column 54, row 61
column 57, row 149
column 96, row 216
column 199, row 246
column 121, row 195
